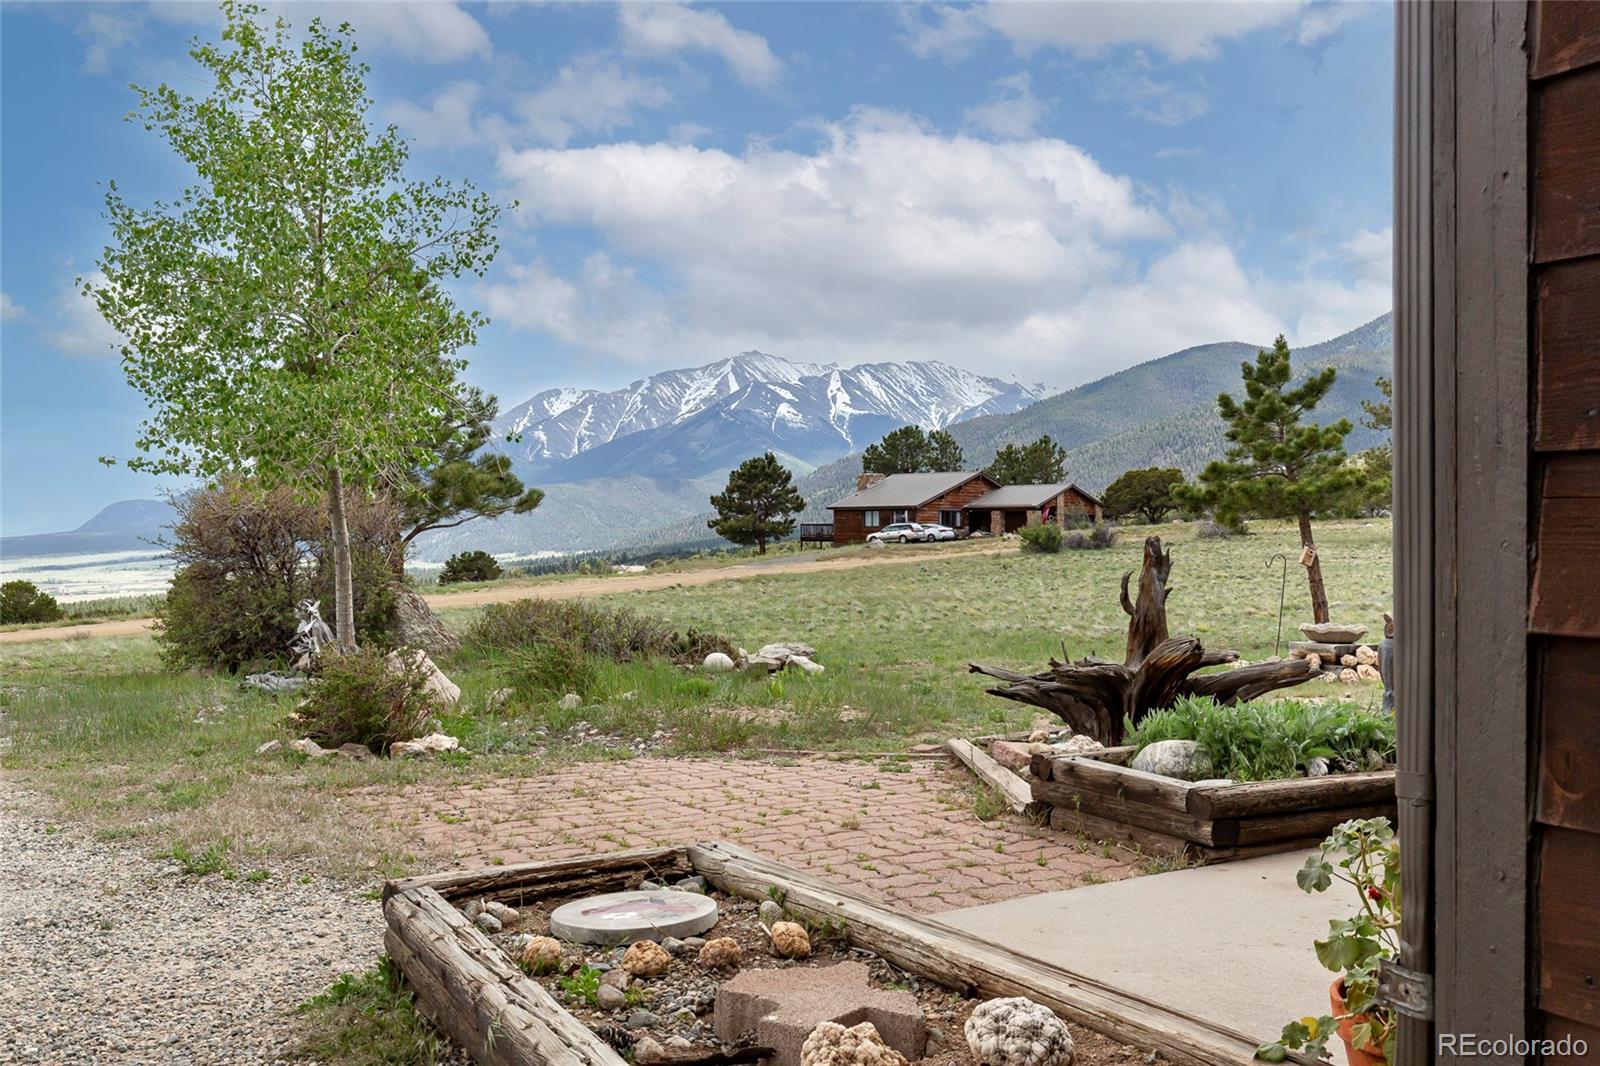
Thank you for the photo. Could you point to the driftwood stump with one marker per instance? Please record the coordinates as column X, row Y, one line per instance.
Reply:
column 1096, row 696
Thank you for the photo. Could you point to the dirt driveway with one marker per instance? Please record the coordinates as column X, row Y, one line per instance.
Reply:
column 580, row 588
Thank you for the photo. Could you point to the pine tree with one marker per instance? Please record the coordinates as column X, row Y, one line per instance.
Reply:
column 1276, row 466
column 759, row 504
column 1044, row 462
column 902, row 451
column 943, row 452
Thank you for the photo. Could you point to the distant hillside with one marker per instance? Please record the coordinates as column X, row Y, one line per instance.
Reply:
column 127, row 525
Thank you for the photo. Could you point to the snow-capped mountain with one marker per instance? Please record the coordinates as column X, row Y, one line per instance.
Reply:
column 809, row 411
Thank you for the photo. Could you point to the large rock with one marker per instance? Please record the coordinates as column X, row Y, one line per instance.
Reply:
column 432, row 744
column 1012, row 754
column 438, row 687
column 1333, row 632
column 1016, row 1031
column 718, row 663
column 784, row 1007
column 415, row 624
column 1182, row 759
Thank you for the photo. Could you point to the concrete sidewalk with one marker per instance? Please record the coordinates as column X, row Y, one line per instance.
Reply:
column 1229, row 943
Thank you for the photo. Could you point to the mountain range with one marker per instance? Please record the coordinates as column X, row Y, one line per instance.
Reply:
column 635, row 466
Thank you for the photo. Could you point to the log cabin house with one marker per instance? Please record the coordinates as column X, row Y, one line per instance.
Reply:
column 1010, row 507
column 880, row 500
column 966, row 501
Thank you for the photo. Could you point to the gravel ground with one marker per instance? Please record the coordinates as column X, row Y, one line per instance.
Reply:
column 108, row 956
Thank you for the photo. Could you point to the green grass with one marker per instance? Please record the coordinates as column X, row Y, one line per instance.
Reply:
column 1269, row 739
column 164, row 758
column 366, row 1020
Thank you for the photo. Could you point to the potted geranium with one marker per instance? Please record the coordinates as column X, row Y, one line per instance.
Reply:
column 1364, row 855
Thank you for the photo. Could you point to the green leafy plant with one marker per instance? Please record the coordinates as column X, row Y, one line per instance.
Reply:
column 615, row 633
column 551, row 669
column 23, row 601
column 1045, row 538
column 582, row 985
column 366, row 697
column 367, row 1019
column 1365, row 855
column 469, row 566
column 1266, row 739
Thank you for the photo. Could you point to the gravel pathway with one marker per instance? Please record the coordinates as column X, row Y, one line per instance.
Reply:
column 108, row 956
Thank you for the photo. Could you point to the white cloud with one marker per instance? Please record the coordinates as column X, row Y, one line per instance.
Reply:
column 592, row 94
column 107, row 29
column 664, row 29
column 1153, row 100
column 1012, row 111
column 890, row 240
column 1178, row 29
column 448, row 121
column 10, row 310
column 688, row 132
column 78, row 327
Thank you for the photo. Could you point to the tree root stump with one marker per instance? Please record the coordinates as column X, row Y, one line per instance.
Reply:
column 1097, row 697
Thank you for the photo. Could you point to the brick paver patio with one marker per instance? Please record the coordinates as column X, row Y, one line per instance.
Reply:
column 909, row 837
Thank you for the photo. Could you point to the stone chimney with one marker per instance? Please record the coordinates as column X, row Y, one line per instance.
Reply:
column 867, row 479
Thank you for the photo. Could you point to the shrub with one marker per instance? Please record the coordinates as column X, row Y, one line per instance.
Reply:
column 581, row 628
column 551, row 669
column 1210, row 529
column 1266, row 739
column 246, row 557
column 367, row 697
column 469, row 566
column 1096, row 537
column 1041, row 538
column 22, row 601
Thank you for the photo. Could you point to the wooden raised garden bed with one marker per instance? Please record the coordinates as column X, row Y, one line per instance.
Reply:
column 467, row 986
column 1098, row 795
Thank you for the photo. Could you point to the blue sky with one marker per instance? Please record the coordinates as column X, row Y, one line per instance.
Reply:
column 1046, row 192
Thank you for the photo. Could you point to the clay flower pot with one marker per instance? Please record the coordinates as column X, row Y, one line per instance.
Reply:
column 1357, row 1056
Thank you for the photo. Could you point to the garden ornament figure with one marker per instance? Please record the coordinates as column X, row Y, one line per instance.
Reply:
column 311, row 633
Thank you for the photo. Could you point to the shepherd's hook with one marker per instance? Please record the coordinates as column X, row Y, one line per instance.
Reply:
column 1282, row 589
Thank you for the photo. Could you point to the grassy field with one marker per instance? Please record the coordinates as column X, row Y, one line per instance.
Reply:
column 169, row 759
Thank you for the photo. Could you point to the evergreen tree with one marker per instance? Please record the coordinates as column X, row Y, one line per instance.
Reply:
column 759, row 504
column 1276, row 466
column 462, row 484
column 943, row 452
column 1146, row 492
column 902, row 451
column 1378, row 462
column 1044, row 462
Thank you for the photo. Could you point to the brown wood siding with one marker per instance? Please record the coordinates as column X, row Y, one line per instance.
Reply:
column 955, row 500
column 849, row 527
column 1564, row 601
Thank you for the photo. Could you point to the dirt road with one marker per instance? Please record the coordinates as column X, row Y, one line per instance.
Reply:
column 579, row 588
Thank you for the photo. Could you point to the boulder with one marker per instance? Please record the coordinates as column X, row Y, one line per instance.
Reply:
column 770, row 911
column 786, row 650
column 269, row 747
column 357, row 752
column 432, row 744
column 415, row 624
column 273, row 682
column 1012, row 754
column 542, row 954
column 310, row 748
column 722, row 953
column 718, row 663
column 1016, row 1031
column 570, row 702
column 609, row 997
column 1182, row 759
column 804, row 662
column 1366, row 655
column 1368, row 672
column 1077, row 744
column 1349, row 676
column 438, row 687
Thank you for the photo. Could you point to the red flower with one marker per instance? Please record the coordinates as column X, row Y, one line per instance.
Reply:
column 1375, row 894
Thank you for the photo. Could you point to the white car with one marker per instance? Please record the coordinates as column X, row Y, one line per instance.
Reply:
column 903, row 532
column 938, row 532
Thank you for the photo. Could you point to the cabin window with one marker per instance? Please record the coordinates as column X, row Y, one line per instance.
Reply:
column 870, row 518
column 902, row 516
column 953, row 519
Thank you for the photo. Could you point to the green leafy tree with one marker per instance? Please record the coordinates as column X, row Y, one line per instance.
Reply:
column 1146, row 492
column 463, row 482
column 759, row 504
column 286, row 313
column 1277, row 465
column 1378, row 462
column 23, row 601
column 1044, row 462
column 469, row 566
column 944, row 453
column 902, row 451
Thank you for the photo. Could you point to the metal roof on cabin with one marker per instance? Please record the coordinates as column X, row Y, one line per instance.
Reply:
column 1011, row 497
column 905, row 490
